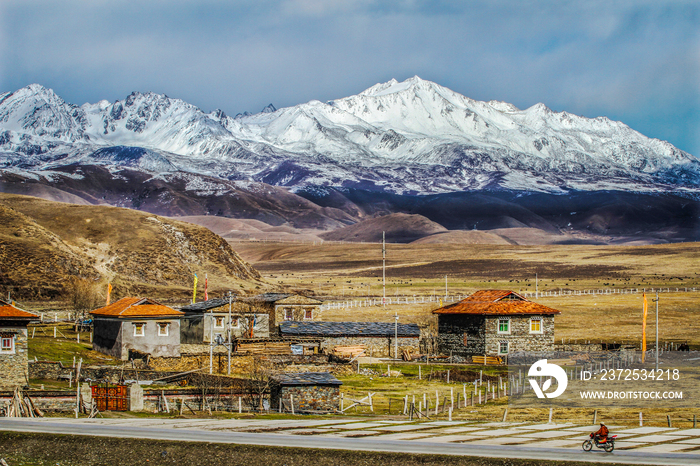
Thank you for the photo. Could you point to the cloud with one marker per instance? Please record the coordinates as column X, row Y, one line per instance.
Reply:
column 634, row 60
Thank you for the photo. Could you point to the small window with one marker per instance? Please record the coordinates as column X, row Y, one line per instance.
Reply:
column 503, row 325
column 7, row 345
column 139, row 329
column 308, row 314
column 503, row 347
column 235, row 322
column 218, row 322
column 163, row 329
column 535, row 325
column 288, row 314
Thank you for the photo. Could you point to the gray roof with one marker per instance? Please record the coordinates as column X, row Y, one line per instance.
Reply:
column 270, row 297
column 206, row 305
column 372, row 329
column 306, row 378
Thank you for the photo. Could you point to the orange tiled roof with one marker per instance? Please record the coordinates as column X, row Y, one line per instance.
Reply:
column 136, row 307
column 492, row 302
column 9, row 311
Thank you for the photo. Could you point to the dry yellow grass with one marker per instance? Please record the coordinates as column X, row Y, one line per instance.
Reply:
column 350, row 271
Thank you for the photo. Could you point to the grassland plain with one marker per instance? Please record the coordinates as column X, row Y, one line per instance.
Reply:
column 353, row 271
column 20, row 449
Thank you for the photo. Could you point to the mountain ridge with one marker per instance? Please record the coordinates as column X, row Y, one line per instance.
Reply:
column 412, row 137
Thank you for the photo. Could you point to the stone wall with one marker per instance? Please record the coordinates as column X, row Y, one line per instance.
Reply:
column 519, row 338
column 379, row 347
column 13, row 364
column 480, row 333
column 323, row 398
column 454, row 330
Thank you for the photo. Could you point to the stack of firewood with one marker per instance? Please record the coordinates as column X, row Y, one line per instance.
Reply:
column 264, row 348
column 21, row 406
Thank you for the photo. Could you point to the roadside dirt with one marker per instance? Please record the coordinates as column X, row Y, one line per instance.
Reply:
column 20, row 449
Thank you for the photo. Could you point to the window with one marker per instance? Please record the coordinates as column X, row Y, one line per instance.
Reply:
column 308, row 314
column 235, row 322
column 218, row 322
column 535, row 325
column 288, row 314
column 502, row 347
column 503, row 325
column 7, row 344
column 163, row 329
column 139, row 329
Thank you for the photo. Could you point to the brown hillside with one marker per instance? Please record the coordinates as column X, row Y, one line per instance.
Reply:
column 43, row 244
column 399, row 228
column 249, row 229
column 462, row 237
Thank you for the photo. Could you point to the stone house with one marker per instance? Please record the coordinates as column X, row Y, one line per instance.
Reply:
column 139, row 325
column 306, row 391
column 13, row 345
column 205, row 319
column 378, row 337
column 494, row 322
column 251, row 317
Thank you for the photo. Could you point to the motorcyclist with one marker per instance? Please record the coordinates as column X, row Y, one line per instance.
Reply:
column 601, row 435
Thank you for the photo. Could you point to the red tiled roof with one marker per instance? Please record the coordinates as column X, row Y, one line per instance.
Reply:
column 136, row 307
column 492, row 302
column 9, row 311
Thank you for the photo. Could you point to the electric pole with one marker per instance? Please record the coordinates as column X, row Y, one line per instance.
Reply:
column 384, row 268
column 657, row 330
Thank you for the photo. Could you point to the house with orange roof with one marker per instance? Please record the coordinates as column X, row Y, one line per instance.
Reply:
column 495, row 322
column 13, row 345
column 136, row 325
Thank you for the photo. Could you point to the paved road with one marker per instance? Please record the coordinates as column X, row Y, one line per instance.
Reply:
column 303, row 441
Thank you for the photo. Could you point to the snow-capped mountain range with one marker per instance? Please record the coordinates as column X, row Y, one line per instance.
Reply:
column 404, row 137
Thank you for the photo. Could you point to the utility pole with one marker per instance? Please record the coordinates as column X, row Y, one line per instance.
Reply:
column 657, row 330
column 396, row 335
column 445, row 289
column 229, row 333
column 211, row 342
column 384, row 268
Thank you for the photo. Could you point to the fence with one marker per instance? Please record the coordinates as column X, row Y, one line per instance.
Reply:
column 397, row 300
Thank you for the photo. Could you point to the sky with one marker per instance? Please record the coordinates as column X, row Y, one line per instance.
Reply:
column 636, row 61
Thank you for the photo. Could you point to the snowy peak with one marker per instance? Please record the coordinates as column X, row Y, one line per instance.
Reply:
column 411, row 136
column 37, row 111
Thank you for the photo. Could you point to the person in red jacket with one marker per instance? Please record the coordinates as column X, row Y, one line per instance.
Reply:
column 602, row 434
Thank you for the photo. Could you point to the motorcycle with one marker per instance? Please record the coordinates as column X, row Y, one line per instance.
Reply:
column 607, row 446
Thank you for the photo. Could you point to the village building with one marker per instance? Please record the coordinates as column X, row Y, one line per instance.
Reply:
column 305, row 392
column 378, row 338
column 250, row 317
column 494, row 322
column 13, row 345
column 136, row 326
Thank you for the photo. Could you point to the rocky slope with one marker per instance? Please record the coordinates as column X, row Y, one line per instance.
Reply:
column 43, row 245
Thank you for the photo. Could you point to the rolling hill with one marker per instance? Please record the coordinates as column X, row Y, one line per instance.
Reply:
column 44, row 245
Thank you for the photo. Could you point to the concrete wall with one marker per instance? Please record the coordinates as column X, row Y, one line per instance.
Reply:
column 325, row 398
column 150, row 343
column 107, row 336
column 381, row 347
column 192, row 329
column 261, row 329
column 13, row 365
